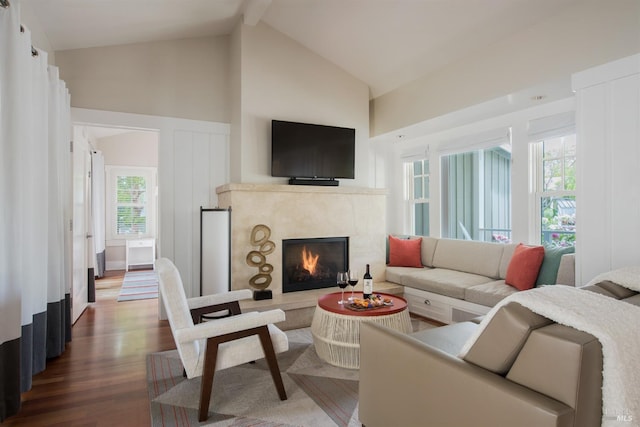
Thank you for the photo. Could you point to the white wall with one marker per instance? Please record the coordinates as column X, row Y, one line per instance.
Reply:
column 608, row 150
column 179, row 78
column 281, row 79
column 590, row 33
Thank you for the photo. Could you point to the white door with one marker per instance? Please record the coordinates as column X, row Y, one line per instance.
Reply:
column 81, row 186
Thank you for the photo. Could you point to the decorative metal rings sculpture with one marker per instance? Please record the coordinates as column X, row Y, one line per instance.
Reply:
column 258, row 258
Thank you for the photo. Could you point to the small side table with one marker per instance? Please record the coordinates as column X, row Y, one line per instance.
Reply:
column 140, row 252
column 336, row 329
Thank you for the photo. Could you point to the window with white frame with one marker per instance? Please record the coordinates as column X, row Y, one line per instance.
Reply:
column 476, row 194
column 417, row 195
column 554, row 189
column 131, row 206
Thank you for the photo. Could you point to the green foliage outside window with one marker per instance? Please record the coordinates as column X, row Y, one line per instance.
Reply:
column 559, row 177
column 131, row 201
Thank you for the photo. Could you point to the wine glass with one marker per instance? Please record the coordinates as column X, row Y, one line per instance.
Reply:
column 353, row 281
column 343, row 281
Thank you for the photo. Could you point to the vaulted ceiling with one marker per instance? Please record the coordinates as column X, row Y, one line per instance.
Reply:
column 384, row 43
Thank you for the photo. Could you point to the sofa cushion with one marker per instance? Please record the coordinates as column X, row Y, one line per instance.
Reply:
column 449, row 338
column 618, row 292
column 480, row 258
column 507, row 253
column 428, row 249
column 550, row 264
column 564, row 364
column 598, row 290
column 443, row 281
column 489, row 294
column 503, row 337
column 524, row 266
column 635, row 300
column 395, row 274
column 405, row 252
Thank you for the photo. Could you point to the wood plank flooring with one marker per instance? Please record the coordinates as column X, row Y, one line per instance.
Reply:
column 100, row 380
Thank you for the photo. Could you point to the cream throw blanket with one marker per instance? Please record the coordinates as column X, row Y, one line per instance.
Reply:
column 614, row 323
column 627, row 277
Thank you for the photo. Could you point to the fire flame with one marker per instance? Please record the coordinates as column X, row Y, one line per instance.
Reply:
column 309, row 261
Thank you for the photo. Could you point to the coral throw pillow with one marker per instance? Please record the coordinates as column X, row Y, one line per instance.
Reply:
column 405, row 252
column 524, row 266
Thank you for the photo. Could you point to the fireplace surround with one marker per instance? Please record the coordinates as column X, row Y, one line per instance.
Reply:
column 313, row 263
column 294, row 211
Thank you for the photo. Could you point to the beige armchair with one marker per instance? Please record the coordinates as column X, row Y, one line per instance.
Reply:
column 221, row 343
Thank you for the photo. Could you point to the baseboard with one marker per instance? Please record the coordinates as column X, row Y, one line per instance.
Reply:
column 114, row 265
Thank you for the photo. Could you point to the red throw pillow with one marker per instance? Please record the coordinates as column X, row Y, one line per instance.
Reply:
column 524, row 266
column 405, row 252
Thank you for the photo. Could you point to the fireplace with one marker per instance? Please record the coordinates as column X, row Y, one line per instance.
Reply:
column 313, row 263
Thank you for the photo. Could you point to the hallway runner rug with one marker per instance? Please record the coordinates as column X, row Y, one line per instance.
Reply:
column 139, row 285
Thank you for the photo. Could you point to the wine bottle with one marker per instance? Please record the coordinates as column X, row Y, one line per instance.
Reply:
column 368, row 284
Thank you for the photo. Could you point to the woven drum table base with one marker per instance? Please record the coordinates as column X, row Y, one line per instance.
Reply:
column 336, row 330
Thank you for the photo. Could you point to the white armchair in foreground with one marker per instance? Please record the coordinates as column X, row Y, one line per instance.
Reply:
column 223, row 342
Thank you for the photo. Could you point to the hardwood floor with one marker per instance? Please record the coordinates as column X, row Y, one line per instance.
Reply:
column 100, row 380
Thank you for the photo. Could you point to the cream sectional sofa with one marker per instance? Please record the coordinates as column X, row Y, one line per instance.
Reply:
column 462, row 279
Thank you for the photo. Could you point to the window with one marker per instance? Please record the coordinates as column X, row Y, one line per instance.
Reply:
column 476, row 195
column 417, row 194
column 131, row 212
column 554, row 162
column 132, row 202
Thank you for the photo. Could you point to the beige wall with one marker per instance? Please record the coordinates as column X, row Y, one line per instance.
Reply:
column 180, row 78
column 281, row 79
column 136, row 148
column 248, row 78
column 591, row 33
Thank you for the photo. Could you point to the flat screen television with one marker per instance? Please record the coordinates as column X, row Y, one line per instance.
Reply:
column 312, row 152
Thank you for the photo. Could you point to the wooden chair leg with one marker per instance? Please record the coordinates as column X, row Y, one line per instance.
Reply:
column 208, row 372
column 270, row 355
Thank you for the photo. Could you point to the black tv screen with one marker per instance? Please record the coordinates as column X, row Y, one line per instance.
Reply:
column 302, row 150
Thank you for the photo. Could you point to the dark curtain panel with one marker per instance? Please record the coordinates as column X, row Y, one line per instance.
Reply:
column 9, row 378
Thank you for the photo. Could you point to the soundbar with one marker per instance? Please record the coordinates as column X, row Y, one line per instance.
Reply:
column 329, row 182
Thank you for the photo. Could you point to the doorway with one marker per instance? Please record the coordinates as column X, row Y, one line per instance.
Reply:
column 100, row 232
column 193, row 160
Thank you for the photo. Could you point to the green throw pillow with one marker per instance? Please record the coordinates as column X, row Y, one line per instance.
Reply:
column 550, row 264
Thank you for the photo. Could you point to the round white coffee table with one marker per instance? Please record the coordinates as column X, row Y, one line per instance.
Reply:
column 336, row 328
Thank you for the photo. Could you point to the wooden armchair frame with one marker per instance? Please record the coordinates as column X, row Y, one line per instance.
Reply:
column 193, row 324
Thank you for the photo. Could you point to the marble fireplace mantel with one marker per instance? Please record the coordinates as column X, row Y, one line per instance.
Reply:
column 295, row 211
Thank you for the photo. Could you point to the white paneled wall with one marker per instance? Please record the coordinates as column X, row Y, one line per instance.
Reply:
column 200, row 164
column 193, row 159
column 608, row 196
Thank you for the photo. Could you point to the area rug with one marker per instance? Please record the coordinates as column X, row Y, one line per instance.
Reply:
column 318, row 394
column 139, row 285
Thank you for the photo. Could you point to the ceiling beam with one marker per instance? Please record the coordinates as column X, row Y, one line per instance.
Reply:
column 254, row 10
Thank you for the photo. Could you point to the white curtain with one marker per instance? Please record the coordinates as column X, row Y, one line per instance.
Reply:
column 98, row 210
column 35, row 192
